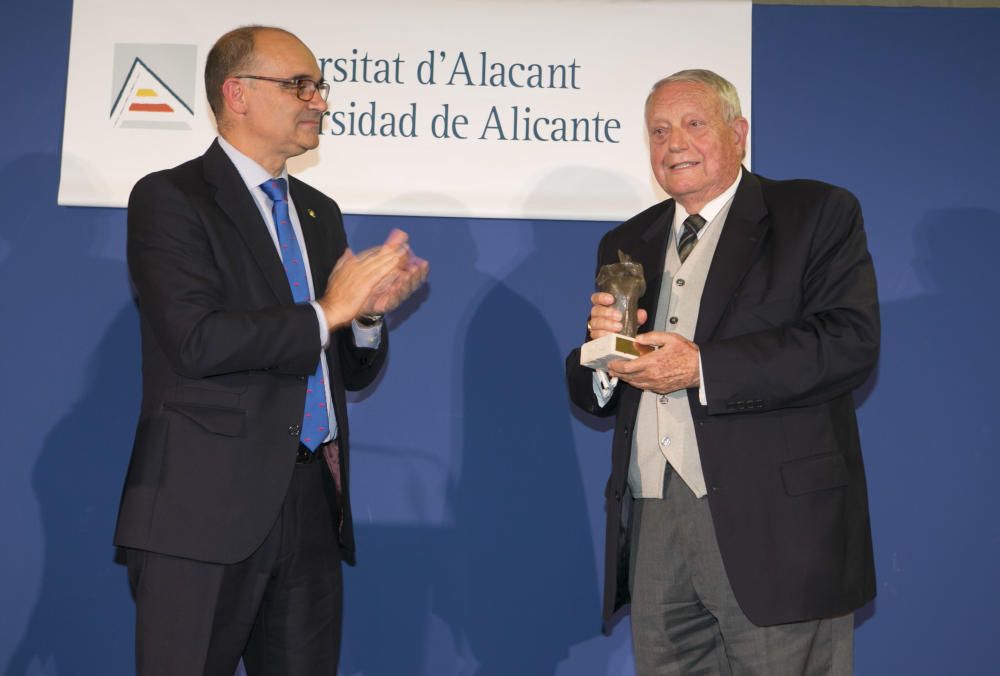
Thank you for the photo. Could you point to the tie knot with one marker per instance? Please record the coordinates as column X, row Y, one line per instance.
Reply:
column 689, row 236
column 694, row 222
column 276, row 189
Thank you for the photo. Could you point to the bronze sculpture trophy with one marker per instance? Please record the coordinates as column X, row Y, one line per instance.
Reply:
column 625, row 281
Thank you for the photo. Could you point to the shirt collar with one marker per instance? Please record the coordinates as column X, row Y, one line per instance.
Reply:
column 252, row 173
column 711, row 209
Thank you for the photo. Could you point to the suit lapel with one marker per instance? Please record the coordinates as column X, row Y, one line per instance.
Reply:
column 236, row 202
column 652, row 252
column 742, row 234
column 317, row 238
column 313, row 233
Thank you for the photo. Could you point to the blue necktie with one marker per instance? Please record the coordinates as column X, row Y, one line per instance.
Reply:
column 315, row 418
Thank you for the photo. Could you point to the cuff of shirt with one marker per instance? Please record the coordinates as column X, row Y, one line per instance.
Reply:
column 367, row 336
column 364, row 336
column 604, row 387
column 702, row 393
column 324, row 335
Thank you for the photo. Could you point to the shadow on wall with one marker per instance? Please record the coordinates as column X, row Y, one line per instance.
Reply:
column 507, row 584
column 408, row 574
column 576, row 188
column 70, row 395
column 83, row 619
column 521, row 516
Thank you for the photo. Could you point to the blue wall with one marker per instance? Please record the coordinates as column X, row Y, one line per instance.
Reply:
column 478, row 489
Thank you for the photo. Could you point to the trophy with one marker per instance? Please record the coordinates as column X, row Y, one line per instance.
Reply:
column 625, row 281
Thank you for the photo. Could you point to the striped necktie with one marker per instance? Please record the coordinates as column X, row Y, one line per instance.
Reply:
column 689, row 236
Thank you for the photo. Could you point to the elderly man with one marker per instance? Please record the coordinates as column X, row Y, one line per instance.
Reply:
column 255, row 319
column 737, row 506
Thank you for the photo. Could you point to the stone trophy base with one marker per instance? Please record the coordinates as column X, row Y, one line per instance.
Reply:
column 598, row 353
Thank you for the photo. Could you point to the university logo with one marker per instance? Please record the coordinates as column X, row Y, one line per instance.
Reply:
column 153, row 86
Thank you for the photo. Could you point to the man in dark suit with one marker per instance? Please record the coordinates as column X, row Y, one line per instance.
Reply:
column 737, row 506
column 256, row 318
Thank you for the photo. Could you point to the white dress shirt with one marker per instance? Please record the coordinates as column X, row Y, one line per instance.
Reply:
column 604, row 386
column 253, row 176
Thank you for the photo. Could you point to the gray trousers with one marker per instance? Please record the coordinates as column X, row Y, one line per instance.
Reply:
column 685, row 619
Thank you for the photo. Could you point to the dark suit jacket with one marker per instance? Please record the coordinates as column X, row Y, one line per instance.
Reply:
column 788, row 326
column 226, row 355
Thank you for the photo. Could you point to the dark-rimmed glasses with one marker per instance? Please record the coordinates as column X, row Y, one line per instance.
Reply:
column 305, row 88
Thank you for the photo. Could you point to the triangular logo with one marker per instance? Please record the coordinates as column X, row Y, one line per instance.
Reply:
column 146, row 101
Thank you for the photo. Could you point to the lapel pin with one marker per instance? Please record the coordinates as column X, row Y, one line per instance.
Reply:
column 312, row 214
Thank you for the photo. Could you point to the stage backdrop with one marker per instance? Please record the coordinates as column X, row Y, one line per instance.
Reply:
column 478, row 490
column 543, row 98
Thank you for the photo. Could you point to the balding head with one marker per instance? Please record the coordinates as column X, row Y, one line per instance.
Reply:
column 231, row 54
column 267, row 92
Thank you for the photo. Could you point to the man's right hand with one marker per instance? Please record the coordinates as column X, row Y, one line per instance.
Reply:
column 354, row 277
column 604, row 319
column 397, row 287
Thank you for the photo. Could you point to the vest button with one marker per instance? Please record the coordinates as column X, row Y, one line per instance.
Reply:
column 674, row 320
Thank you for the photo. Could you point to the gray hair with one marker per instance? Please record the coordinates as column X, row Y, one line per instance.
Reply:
column 722, row 87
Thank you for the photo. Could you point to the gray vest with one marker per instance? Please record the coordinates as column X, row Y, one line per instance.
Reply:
column 664, row 429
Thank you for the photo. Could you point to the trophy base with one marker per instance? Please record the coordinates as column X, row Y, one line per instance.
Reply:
column 597, row 354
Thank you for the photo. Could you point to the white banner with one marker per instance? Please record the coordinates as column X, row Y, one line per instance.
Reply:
column 474, row 108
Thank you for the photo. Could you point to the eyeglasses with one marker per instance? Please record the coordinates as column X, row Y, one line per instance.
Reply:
column 305, row 89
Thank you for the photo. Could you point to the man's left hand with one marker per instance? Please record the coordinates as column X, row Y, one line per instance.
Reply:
column 672, row 366
column 399, row 285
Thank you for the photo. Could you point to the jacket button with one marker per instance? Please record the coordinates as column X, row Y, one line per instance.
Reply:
column 294, row 430
column 680, row 282
column 674, row 320
column 618, row 495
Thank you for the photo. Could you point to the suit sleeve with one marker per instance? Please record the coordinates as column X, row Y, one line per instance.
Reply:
column 182, row 293
column 823, row 347
column 580, row 379
column 361, row 365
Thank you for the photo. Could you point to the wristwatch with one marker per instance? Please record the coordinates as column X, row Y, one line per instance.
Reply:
column 369, row 320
